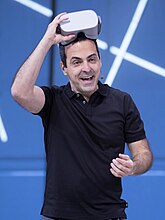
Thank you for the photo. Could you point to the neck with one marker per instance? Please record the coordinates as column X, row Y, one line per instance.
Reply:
column 87, row 95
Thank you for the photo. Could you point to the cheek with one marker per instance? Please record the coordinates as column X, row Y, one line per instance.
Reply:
column 73, row 74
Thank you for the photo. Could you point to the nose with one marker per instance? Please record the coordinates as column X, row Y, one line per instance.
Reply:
column 86, row 67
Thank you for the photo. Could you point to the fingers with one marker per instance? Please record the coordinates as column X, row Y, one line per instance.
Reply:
column 68, row 37
column 59, row 18
column 52, row 33
column 121, row 166
column 124, row 156
column 116, row 171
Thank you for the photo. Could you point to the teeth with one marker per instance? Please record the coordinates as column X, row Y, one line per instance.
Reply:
column 87, row 78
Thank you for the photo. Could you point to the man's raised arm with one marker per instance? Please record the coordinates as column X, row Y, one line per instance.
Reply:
column 23, row 89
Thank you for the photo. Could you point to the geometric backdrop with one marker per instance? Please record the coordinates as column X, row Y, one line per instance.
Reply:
column 132, row 49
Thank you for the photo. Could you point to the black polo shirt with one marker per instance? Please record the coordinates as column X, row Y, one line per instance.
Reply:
column 81, row 139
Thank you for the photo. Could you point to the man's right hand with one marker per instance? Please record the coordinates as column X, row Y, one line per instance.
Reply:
column 52, row 34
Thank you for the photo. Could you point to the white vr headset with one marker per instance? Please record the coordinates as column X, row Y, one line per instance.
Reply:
column 85, row 21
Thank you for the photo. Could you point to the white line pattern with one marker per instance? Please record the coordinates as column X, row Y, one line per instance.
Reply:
column 36, row 7
column 3, row 134
column 126, row 41
column 41, row 173
column 140, row 62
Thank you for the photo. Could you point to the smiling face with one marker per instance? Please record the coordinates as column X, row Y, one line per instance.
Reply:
column 83, row 67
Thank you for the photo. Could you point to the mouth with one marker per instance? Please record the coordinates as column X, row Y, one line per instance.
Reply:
column 87, row 78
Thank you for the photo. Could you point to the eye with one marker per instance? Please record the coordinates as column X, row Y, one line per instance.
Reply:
column 76, row 62
column 92, row 59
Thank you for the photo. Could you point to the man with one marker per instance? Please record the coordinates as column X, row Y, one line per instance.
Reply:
column 86, row 126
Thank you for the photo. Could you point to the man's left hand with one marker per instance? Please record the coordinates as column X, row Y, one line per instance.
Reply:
column 122, row 166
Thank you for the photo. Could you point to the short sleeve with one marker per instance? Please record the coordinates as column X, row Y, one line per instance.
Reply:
column 48, row 102
column 134, row 126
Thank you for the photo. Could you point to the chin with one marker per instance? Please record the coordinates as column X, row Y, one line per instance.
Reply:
column 89, row 89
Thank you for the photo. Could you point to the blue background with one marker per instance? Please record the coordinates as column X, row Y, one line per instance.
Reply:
column 22, row 166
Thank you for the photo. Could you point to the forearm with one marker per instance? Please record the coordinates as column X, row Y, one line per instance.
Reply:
column 142, row 162
column 23, row 90
column 27, row 74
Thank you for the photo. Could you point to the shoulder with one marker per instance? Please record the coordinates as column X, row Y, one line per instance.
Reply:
column 52, row 90
column 116, row 93
column 120, row 100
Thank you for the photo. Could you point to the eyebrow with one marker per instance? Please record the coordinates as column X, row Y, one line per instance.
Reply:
column 94, row 54
column 78, row 58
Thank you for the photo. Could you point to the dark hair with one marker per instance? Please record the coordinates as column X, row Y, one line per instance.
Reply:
column 80, row 37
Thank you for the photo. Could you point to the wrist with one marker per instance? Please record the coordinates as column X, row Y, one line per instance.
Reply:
column 45, row 43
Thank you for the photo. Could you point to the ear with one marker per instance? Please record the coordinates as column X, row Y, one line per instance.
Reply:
column 63, row 68
column 100, row 64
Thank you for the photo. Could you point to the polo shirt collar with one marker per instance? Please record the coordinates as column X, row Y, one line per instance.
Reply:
column 102, row 90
